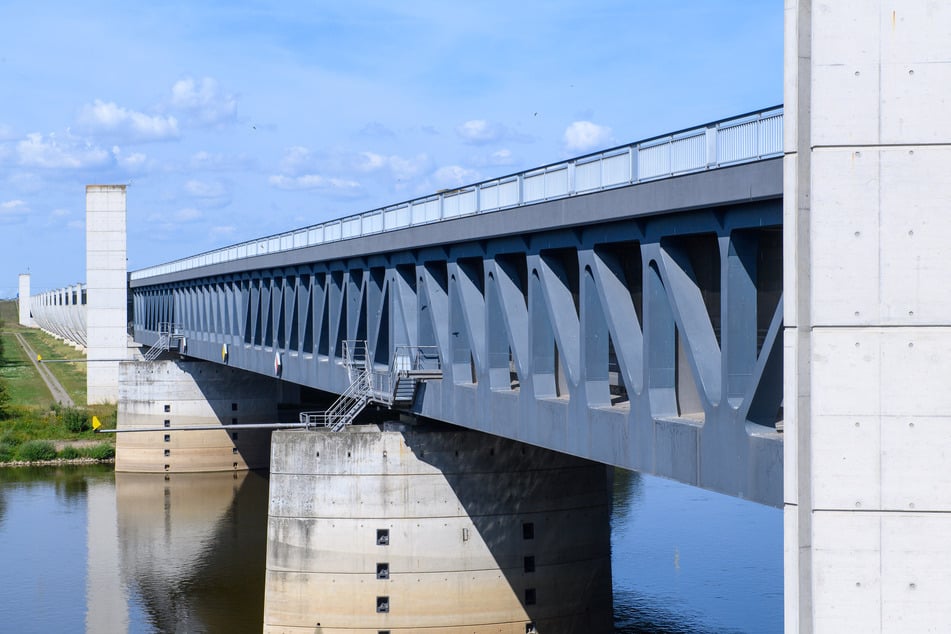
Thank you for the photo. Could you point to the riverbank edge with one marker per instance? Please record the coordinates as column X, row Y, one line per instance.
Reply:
column 58, row 462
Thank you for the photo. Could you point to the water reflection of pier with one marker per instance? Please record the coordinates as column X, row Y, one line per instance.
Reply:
column 187, row 545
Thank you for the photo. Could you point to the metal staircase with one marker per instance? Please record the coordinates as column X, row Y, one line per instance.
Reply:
column 394, row 387
column 169, row 334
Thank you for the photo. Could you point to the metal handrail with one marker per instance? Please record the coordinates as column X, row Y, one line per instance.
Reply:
column 750, row 137
column 344, row 409
column 168, row 332
column 367, row 384
column 414, row 358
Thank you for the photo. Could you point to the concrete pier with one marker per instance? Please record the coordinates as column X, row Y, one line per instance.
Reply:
column 176, row 393
column 106, row 283
column 391, row 528
column 867, row 316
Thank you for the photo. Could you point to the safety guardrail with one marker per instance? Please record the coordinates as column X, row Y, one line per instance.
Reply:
column 62, row 313
column 750, row 137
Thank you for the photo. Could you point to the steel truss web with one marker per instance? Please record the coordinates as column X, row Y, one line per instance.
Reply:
column 652, row 344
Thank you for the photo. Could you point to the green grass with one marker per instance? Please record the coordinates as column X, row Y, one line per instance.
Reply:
column 102, row 451
column 72, row 376
column 23, row 381
column 9, row 312
column 33, row 418
column 17, row 372
column 44, row 450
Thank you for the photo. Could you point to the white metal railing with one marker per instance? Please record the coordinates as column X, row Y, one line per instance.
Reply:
column 742, row 139
column 169, row 333
column 61, row 313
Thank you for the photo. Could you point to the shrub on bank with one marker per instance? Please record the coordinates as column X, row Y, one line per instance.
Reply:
column 35, row 450
column 70, row 453
column 74, row 419
column 102, row 451
column 7, row 451
column 4, row 400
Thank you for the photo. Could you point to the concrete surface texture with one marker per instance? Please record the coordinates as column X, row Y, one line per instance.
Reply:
column 867, row 316
column 191, row 393
column 23, row 299
column 391, row 528
column 106, row 310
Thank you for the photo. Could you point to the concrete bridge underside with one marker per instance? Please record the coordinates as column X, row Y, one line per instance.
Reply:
column 638, row 326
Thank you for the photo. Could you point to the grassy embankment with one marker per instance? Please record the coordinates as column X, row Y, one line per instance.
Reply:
column 32, row 426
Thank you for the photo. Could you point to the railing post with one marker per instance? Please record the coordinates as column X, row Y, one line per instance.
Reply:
column 711, row 146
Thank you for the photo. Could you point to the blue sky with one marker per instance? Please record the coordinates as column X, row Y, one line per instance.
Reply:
column 237, row 119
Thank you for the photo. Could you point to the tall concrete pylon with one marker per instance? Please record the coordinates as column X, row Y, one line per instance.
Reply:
column 106, row 290
column 867, row 316
column 24, row 301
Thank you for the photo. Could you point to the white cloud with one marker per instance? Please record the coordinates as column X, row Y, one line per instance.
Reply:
column 313, row 181
column 170, row 220
column 208, row 161
column 296, row 159
column 495, row 159
column 406, row 168
column 370, row 162
column 582, row 136
column 480, row 131
column 209, row 193
column 53, row 152
column 454, row 176
column 502, row 157
column 206, row 189
column 402, row 168
column 13, row 212
column 102, row 117
column 131, row 162
column 222, row 231
column 26, row 181
column 202, row 102
column 59, row 218
column 376, row 129
column 187, row 214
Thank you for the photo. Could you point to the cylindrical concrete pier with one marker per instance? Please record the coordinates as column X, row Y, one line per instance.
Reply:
column 392, row 528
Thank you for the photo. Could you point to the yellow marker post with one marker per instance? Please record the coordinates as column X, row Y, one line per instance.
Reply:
column 95, row 423
column 39, row 357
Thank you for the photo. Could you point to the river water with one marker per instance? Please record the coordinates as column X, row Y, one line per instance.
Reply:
column 85, row 549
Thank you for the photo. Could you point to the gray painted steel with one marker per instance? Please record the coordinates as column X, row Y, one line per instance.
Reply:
column 637, row 326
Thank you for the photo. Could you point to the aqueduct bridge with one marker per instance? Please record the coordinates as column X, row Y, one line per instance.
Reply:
column 757, row 306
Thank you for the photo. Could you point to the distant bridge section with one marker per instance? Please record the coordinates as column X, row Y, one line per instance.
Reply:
column 62, row 313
